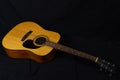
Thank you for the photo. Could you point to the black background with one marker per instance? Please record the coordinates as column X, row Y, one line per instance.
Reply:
column 91, row 26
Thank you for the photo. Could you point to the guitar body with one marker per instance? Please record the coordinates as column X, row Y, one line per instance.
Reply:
column 20, row 42
column 29, row 40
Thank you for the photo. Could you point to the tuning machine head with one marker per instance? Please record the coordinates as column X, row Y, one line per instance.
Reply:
column 108, row 67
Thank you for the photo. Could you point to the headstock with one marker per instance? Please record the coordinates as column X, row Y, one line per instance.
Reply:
column 107, row 67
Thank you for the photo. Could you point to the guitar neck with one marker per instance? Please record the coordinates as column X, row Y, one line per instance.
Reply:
column 71, row 51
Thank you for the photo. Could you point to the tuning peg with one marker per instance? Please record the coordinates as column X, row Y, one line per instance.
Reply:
column 113, row 65
column 100, row 69
column 110, row 74
column 108, row 63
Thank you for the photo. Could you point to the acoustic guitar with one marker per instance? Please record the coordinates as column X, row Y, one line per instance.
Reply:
column 30, row 41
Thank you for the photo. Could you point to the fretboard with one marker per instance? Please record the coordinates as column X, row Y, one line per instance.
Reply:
column 71, row 51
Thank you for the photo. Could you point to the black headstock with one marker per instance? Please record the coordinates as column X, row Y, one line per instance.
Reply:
column 107, row 67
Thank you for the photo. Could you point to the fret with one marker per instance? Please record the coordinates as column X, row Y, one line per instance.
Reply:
column 71, row 51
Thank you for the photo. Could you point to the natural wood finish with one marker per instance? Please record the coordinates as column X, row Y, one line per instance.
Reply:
column 23, row 54
column 14, row 46
column 15, row 49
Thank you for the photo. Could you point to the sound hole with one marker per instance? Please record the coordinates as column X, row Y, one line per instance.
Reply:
column 29, row 44
column 40, row 40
